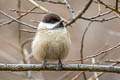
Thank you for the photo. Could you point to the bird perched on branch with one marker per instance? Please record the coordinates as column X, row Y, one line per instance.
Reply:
column 52, row 40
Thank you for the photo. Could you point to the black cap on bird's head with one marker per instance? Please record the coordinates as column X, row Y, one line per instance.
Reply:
column 53, row 18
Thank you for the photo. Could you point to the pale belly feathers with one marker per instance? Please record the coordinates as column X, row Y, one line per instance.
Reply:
column 51, row 44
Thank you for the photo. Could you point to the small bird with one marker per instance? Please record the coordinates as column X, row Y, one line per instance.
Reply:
column 52, row 40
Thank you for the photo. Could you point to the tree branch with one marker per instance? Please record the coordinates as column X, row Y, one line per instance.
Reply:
column 54, row 67
column 42, row 8
column 82, row 46
column 10, row 21
column 109, row 7
column 99, row 20
column 18, row 21
column 38, row 6
column 69, row 8
column 54, row 2
column 80, row 13
column 23, row 11
column 98, row 53
column 116, row 6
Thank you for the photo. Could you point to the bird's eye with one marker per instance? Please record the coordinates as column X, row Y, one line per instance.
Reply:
column 52, row 21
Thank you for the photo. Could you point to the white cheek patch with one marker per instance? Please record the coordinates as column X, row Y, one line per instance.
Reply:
column 43, row 25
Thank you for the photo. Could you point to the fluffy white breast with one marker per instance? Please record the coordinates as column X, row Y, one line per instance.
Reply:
column 51, row 44
column 43, row 25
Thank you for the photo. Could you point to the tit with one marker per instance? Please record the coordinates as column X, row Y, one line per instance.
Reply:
column 52, row 40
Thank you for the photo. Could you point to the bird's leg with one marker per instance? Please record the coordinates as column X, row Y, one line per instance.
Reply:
column 60, row 63
column 44, row 64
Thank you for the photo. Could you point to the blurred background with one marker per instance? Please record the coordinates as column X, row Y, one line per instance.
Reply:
column 100, row 34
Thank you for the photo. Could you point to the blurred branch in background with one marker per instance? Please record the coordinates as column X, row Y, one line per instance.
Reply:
column 23, row 11
column 38, row 6
column 23, row 51
column 42, row 8
column 50, row 1
column 77, row 76
column 95, row 73
column 70, row 8
column 80, row 13
column 109, row 7
column 82, row 47
column 101, row 73
column 98, row 53
column 99, row 20
column 116, row 7
column 65, row 75
column 10, row 21
column 18, row 21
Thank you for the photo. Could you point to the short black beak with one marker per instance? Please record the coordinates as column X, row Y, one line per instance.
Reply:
column 60, row 24
column 61, row 21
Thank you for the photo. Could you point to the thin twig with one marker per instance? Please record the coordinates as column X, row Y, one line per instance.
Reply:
column 107, row 6
column 10, row 21
column 100, row 15
column 99, row 9
column 23, row 44
column 102, row 49
column 43, row 9
column 82, row 46
column 54, row 2
column 113, row 61
column 38, row 6
column 70, row 8
column 80, row 13
column 116, row 6
column 100, row 53
column 67, row 74
column 23, row 11
column 93, row 18
column 101, row 73
column 19, row 25
column 18, row 21
column 28, row 73
column 82, row 41
column 99, row 20
column 26, row 41
column 77, row 76
column 95, row 73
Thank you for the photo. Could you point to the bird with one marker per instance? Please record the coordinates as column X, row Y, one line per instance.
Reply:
column 52, row 40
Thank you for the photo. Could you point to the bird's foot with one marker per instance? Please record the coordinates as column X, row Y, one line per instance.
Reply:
column 60, row 65
column 44, row 64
